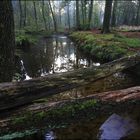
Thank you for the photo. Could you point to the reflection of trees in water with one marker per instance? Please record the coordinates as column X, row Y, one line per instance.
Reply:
column 55, row 54
column 38, row 59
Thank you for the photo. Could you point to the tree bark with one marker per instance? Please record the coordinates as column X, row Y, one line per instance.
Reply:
column 21, row 14
column 107, row 16
column 138, row 14
column 35, row 14
column 68, row 16
column 43, row 14
column 7, row 41
column 113, row 20
column 90, row 14
column 25, row 8
column 21, row 93
column 53, row 16
column 77, row 16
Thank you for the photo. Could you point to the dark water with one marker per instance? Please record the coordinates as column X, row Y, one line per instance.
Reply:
column 58, row 54
column 52, row 55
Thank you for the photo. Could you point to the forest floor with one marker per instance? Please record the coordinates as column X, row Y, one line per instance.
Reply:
column 130, row 34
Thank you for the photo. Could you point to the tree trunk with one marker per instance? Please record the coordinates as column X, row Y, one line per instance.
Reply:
column 43, row 14
column 83, row 13
column 25, row 8
column 53, row 16
column 68, row 16
column 90, row 14
column 21, row 93
column 35, row 14
column 138, row 14
column 113, row 20
column 107, row 16
column 7, row 41
column 77, row 16
column 21, row 14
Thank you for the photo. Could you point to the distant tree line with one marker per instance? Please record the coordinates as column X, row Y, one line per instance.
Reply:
column 81, row 14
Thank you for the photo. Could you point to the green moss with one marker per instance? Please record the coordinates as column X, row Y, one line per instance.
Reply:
column 55, row 114
column 133, row 43
column 18, row 135
column 105, row 47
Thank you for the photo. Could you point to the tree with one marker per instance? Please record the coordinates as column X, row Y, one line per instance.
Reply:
column 21, row 14
column 113, row 20
column 35, row 14
column 138, row 14
column 24, row 19
column 68, row 12
column 77, row 15
column 90, row 13
column 7, row 41
column 107, row 16
column 53, row 16
column 43, row 14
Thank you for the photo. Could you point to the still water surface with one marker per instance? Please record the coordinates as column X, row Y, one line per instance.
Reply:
column 52, row 55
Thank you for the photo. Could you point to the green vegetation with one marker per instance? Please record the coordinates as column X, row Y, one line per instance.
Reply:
column 56, row 117
column 18, row 135
column 105, row 47
column 24, row 39
column 29, row 36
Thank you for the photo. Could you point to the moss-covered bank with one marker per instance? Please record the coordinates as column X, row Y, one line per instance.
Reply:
column 105, row 47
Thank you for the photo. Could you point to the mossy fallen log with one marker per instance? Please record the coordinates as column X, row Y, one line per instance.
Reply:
column 20, row 93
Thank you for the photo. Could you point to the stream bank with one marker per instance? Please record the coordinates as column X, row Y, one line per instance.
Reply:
column 105, row 47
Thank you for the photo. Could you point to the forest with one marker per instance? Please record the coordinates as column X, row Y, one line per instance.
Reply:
column 69, row 69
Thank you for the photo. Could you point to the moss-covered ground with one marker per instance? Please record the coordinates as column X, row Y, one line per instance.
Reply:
column 105, row 47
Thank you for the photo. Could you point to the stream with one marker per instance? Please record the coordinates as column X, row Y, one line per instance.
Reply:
column 58, row 54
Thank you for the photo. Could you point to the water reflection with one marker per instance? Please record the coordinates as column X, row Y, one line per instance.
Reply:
column 116, row 127
column 52, row 55
column 49, row 135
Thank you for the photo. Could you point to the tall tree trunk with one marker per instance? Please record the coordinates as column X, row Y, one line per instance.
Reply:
column 7, row 41
column 113, row 20
column 90, row 14
column 35, row 14
column 107, row 16
column 43, row 14
column 83, row 13
column 138, row 14
column 24, row 19
column 68, row 12
column 77, row 16
column 53, row 16
column 21, row 14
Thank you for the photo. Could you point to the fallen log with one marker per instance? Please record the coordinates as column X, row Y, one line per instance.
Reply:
column 20, row 93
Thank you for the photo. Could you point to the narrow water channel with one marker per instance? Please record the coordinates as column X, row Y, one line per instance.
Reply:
column 59, row 54
column 51, row 55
